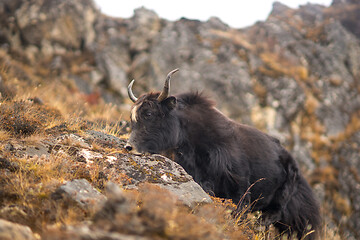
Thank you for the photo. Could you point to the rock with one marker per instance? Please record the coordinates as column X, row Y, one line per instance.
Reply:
column 190, row 193
column 144, row 25
column 111, row 53
column 155, row 169
column 348, row 201
column 84, row 232
column 279, row 9
column 146, row 215
column 348, row 13
column 80, row 191
column 163, row 172
column 117, row 203
column 285, row 95
column 69, row 24
column 30, row 150
column 11, row 231
column 105, row 139
column 113, row 61
column 45, row 147
column 202, row 52
column 113, row 191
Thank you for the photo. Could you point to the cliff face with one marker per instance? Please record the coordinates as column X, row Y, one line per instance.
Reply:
column 296, row 75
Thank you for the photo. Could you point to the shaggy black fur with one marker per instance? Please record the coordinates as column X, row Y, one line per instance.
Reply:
column 226, row 158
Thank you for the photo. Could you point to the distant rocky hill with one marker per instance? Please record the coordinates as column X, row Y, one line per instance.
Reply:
column 295, row 75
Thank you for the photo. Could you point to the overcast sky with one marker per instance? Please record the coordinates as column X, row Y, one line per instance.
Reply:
column 236, row 13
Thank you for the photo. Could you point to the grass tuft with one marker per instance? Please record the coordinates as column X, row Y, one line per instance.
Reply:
column 24, row 118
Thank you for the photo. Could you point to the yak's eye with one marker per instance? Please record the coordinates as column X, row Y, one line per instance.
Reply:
column 148, row 115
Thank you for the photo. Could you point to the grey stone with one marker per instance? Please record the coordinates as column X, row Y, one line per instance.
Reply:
column 69, row 23
column 190, row 193
column 165, row 173
column 113, row 61
column 80, row 191
column 103, row 137
column 85, row 232
column 117, row 203
column 155, row 169
column 11, row 231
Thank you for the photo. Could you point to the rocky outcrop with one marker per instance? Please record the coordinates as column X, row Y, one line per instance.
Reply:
column 295, row 75
column 94, row 193
column 155, row 169
column 10, row 231
column 121, row 218
column 310, row 70
column 49, row 26
column 136, row 170
column 85, row 232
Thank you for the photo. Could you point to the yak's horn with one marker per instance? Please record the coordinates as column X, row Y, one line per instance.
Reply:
column 130, row 92
column 165, row 92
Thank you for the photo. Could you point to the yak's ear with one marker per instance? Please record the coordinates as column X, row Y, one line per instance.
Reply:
column 169, row 103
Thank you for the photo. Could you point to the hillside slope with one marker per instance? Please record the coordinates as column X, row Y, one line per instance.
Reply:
column 295, row 75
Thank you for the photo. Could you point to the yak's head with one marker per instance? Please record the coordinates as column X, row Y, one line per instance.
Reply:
column 154, row 127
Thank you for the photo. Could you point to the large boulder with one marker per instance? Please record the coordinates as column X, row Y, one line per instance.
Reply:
column 81, row 192
column 155, row 169
column 11, row 231
column 67, row 24
column 132, row 170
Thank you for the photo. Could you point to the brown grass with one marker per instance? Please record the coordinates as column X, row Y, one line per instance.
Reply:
column 276, row 65
column 28, row 188
column 24, row 118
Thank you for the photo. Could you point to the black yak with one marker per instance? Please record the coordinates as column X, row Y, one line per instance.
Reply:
column 225, row 157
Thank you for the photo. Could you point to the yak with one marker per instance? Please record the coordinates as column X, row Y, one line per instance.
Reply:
column 228, row 159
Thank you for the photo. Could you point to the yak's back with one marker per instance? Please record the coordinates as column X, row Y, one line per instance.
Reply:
column 194, row 99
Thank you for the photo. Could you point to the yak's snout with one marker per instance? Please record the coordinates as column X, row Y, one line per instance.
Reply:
column 128, row 147
column 131, row 149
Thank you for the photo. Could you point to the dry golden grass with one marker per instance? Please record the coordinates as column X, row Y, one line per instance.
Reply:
column 276, row 66
column 4, row 135
column 24, row 118
column 234, row 36
column 28, row 186
column 74, row 109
